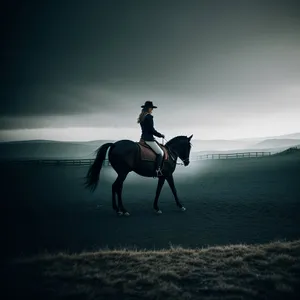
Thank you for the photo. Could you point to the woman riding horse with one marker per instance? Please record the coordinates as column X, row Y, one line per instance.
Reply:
column 125, row 157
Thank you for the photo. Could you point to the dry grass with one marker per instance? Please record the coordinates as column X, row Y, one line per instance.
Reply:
column 266, row 271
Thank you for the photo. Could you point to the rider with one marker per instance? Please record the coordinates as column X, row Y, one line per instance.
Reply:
column 145, row 120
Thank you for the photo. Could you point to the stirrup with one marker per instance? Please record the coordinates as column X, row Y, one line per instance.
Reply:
column 159, row 172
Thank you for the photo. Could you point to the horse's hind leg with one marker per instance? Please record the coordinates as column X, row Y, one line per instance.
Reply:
column 114, row 200
column 117, row 189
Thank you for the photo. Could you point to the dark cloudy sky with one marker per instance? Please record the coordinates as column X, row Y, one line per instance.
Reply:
column 82, row 69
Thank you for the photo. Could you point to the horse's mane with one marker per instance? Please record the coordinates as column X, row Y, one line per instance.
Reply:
column 176, row 139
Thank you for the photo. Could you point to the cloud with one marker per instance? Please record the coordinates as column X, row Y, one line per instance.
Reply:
column 202, row 62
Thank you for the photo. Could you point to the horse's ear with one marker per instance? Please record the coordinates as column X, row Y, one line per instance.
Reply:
column 189, row 138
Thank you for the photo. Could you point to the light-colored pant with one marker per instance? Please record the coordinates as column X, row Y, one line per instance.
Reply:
column 155, row 147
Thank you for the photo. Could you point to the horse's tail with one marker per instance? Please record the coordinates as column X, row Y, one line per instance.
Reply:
column 92, row 177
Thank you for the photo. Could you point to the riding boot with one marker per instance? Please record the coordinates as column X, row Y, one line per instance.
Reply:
column 159, row 160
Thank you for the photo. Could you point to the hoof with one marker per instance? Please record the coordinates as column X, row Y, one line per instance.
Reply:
column 159, row 212
column 183, row 208
column 127, row 214
column 120, row 213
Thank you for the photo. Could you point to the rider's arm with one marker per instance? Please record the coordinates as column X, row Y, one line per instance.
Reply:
column 151, row 126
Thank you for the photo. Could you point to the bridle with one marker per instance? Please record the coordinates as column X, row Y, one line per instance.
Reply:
column 183, row 160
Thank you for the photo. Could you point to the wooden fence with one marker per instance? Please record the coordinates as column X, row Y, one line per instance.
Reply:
column 88, row 162
column 233, row 155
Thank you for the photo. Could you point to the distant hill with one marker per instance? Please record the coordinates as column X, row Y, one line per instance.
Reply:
column 48, row 149
column 247, row 144
column 277, row 143
column 295, row 151
column 295, row 135
column 289, row 136
column 56, row 149
column 220, row 145
column 34, row 149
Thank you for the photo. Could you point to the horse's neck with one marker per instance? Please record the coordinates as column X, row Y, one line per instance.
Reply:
column 174, row 149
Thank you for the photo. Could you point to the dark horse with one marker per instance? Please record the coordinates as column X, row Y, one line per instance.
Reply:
column 126, row 156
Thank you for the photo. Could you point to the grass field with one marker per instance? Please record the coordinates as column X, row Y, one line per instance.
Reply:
column 248, row 201
column 267, row 271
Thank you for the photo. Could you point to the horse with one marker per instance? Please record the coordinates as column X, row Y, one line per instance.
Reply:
column 126, row 156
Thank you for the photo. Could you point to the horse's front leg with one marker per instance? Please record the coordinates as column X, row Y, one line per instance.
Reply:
column 161, row 181
column 170, row 181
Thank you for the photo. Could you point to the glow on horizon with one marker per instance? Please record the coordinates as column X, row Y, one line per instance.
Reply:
column 271, row 128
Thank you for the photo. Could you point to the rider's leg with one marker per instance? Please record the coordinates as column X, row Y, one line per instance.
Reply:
column 159, row 156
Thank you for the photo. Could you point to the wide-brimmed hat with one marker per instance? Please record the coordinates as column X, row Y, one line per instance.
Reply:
column 148, row 104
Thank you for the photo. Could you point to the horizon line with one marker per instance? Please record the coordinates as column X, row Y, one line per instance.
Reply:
column 195, row 139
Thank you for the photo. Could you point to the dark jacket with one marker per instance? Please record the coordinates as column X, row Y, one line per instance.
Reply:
column 148, row 131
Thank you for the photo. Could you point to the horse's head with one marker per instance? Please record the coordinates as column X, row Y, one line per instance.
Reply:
column 181, row 146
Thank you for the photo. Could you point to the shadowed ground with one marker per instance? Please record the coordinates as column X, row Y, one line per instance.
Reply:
column 229, row 201
column 248, row 201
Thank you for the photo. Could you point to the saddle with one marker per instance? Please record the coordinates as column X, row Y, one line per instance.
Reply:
column 146, row 152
